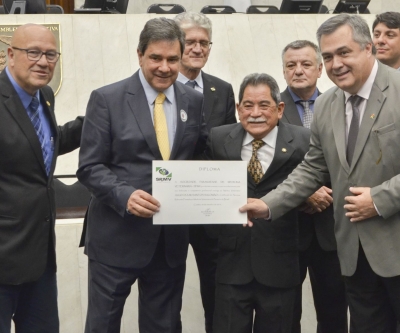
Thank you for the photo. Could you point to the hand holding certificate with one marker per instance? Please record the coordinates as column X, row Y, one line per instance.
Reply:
column 200, row 192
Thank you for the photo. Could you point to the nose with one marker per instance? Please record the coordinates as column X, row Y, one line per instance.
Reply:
column 336, row 62
column 299, row 69
column 164, row 66
column 379, row 39
column 42, row 61
column 255, row 112
column 197, row 47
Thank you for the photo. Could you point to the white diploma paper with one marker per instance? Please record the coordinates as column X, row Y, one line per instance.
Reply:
column 200, row 192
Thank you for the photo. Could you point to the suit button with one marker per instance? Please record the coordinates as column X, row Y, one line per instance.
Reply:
column 47, row 219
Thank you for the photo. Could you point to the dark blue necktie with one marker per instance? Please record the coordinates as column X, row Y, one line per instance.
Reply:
column 191, row 83
column 33, row 113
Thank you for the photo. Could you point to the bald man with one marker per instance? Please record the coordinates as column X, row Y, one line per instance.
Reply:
column 30, row 142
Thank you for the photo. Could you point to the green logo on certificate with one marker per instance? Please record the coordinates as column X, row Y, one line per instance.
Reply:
column 167, row 176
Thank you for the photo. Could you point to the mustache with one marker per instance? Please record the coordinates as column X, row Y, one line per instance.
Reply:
column 256, row 120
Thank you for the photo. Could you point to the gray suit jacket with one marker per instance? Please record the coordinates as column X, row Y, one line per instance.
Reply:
column 375, row 164
column 117, row 149
column 219, row 102
column 323, row 223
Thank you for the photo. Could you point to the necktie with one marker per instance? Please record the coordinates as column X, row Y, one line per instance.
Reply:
column 191, row 83
column 160, row 126
column 33, row 113
column 308, row 114
column 254, row 167
column 355, row 101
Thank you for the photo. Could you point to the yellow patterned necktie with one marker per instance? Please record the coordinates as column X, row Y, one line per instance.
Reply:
column 254, row 167
column 160, row 126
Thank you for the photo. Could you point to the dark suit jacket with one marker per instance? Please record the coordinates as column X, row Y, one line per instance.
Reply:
column 27, row 205
column 219, row 102
column 268, row 251
column 375, row 164
column 323, row 223
column 118, row 146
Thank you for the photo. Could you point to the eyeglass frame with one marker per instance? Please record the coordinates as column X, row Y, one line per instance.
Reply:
column 58, row 54
column 193, row 44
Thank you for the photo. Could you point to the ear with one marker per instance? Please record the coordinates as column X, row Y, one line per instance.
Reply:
column 238, row 110
column 320, row 69
column 10, row 54
column 140, row 57
column 281, row 108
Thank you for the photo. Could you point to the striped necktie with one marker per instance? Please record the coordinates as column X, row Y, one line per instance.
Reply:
column 33, row 113
column 308, row 114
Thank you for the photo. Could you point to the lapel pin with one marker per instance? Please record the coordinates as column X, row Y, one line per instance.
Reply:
column 284, row 150
column 184, row 116
column 48, row 103
column 372, row 116
column 212, row 89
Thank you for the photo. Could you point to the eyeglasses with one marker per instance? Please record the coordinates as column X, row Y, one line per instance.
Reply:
column 36, row 55
column 203, row 44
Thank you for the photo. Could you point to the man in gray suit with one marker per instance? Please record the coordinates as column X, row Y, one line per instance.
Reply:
column 219, row 109
column 302, row 66
column 386, row 38
column 354, row 141
column 129, row 124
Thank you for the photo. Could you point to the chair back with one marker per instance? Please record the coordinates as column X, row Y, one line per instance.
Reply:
column 158, row 8
column 54, row 9
column 254, row 9
column 217, row 10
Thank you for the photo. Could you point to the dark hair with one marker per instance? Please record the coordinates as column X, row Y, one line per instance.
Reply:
column 301, row 44
column 159, row 29
column 358, row 25
column 256, row 79
column 390, row 19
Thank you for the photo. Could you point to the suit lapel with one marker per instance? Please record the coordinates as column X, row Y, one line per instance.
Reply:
column 338, row 118
column 182, row 103
column 209, row 97
column 138, row 104
column 374, row 105
column 284, row 149
column 233, row 144
column 14, row 106
column 290, row 112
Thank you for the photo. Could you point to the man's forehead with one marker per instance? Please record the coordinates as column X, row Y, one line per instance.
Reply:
column 383, row 26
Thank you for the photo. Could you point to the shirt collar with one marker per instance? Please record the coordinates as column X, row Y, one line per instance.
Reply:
column 365, row 90
column 199, row 79
column 151, row 93
column 297, row 98
column 269, row 139
column 26, row 98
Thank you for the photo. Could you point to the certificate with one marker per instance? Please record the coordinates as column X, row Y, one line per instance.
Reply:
column 200, row 192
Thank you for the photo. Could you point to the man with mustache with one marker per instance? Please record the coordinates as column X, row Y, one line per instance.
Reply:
column 354, row 143
column 219, row 109
column 258, row 268
column 386, row 38
column 302, row 66
column 30, row 142
column 129, row 124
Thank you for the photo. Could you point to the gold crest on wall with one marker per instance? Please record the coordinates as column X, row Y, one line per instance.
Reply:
column 6, row 32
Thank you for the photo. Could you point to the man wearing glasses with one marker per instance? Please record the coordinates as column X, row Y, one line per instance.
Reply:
column 219, row 109
column 30, row 142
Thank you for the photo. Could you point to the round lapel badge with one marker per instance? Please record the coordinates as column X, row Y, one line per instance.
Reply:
column 184, row 115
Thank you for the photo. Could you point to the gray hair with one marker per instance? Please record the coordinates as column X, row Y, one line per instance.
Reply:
column 160, row 29
column 187, row 20
column 256, row 79
column 358, row 25
column 390, row 19
column 301, row 44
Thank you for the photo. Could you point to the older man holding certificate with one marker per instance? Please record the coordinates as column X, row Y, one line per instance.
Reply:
column 258, row 267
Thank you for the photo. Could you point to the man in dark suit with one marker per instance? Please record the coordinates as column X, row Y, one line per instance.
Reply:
column 30, row 143
column 386, row 38
column 258, row 268
column 129, row 124
column 354, row 143
column 219, row 109
column 302, row 66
